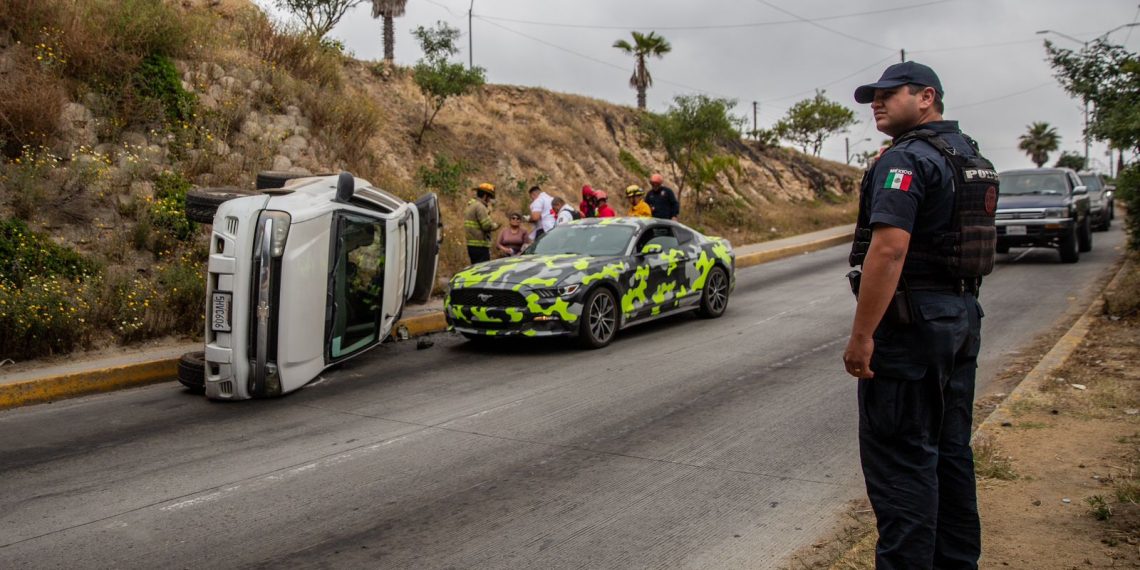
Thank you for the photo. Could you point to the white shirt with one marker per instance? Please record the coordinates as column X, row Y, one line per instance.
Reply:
column 542, row 205
column 566, row 214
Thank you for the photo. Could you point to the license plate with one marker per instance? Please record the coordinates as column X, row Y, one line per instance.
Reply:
column 220, row 311
column 1015, row 230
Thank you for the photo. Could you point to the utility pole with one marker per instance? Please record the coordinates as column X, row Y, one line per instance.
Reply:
column 902, row 54
column 755, row 107
column 470, row 38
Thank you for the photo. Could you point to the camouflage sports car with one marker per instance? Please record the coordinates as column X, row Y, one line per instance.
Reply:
column 590, row 278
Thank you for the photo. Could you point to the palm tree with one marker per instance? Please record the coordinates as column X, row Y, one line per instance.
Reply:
column 643, row 45
column 1038, row 141
column 389, row 10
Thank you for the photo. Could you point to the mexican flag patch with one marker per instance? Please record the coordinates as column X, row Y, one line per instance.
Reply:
column 898, row 179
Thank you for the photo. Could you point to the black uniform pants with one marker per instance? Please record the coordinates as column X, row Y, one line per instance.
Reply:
column 914, row 435
column 478, row 254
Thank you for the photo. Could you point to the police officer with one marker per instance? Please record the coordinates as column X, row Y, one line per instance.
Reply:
column 916, row 333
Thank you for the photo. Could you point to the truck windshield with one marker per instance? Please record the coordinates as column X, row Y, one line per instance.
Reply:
column 1092, row 182
column 356, row 284
column 1043, row 183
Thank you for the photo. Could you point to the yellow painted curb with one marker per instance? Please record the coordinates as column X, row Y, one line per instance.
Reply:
column 49, row 389
column 420, row 325
column 750, row 259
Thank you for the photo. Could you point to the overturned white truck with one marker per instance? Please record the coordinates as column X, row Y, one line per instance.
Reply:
column 308, row 272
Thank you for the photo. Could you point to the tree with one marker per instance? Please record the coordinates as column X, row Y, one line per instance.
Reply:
column 319, row 16
column 691, row 134
column 1108, row 76
column 1038, row 141
column 389, row 10
column 811, row 121
column 1073, row 160
column 438, row 79
column 643, row 45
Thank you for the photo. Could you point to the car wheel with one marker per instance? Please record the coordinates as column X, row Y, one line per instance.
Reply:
column 1068, row 247
column 192, row 371
column 714, row 298
column 202, row 203
column 599, row 319
column 1001, row 247
column 1084, row 236
column 1105, row 222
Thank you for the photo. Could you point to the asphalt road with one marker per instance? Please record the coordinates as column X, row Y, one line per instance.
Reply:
column 687, row 443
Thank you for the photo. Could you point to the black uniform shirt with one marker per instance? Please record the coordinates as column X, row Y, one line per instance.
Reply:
column 911, row 187
column 663, row 203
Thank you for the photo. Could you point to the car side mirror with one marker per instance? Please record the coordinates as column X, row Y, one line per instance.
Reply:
column 1079, row 190
column 651, row 248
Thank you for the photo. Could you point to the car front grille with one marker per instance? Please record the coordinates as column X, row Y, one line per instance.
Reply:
column 478, row 297
column 1021, row 215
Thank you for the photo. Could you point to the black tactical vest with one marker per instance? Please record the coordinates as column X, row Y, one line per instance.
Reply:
column 966, row 251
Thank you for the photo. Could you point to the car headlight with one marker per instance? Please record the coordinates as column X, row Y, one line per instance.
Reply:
column 280, row 232
column 1056, row 212
column 568, row 290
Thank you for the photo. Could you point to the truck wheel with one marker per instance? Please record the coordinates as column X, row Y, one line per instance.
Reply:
column 192, row 371
column 1105, row 222
column 268, row 179
column 1068, row 247
column 202, row 203
column 1001, row 247
column 1084, row 236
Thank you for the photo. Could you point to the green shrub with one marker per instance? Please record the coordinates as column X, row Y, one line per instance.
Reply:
column 170, row 185
column 26, row 180
column 631, row 164
column 183, row 285
column 50, row 314
column 157, row 80
column 1128, row 191
column 28, row 254
column 446, row 176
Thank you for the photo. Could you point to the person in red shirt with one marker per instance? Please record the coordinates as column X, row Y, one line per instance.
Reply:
column 604, row 210
column 588, row 206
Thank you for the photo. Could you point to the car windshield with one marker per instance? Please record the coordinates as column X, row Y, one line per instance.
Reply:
column 1092, row 182
column 584, row 239
column 1046, row 183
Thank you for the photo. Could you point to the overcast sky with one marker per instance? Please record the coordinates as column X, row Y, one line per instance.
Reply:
column 987, row 53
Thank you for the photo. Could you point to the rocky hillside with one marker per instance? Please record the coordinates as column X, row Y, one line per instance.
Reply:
column 112, row 109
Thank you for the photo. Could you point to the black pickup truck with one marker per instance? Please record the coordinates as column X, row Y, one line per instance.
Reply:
column 1044, row 207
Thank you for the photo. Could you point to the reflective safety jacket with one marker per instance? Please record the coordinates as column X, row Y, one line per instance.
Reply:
column 641, row 210
column 477, row 224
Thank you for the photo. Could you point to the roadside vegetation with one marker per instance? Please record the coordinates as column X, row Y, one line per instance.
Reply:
column 111, row 110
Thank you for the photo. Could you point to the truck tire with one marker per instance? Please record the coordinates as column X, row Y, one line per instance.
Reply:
column 1084, row 236
column 202, row 203
column 192, row 371
column 1068, row 247
column 268, row 179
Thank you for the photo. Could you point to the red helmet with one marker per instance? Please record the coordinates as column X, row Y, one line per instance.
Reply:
column 656, row 179
column 600, row 195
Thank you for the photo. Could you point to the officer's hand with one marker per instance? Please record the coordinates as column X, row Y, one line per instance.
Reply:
column 857, row 357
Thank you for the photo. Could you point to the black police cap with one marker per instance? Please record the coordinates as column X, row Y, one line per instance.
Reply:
column 898, row 74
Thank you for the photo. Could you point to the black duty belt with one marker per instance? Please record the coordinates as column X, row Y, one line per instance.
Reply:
column 957, row 286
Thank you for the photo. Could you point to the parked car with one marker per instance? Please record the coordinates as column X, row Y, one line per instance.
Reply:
column 1101, row 199
column 304, row 276
column 1044, row 207
column 591, row 278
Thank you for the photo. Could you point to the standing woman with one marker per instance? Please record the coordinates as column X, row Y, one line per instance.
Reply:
column 514, row 238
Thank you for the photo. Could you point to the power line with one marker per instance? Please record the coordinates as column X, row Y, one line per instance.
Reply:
column 714, row 26
column 600, row 61
column 833, row 82
column 823, row 27
column 976, row 46
column 991, row 100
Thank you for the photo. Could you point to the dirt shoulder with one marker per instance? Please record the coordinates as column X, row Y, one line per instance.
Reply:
column 1059, row 477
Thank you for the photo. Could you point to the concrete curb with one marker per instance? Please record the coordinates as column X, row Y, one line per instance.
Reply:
column 1053, row 360
column 52, row 388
